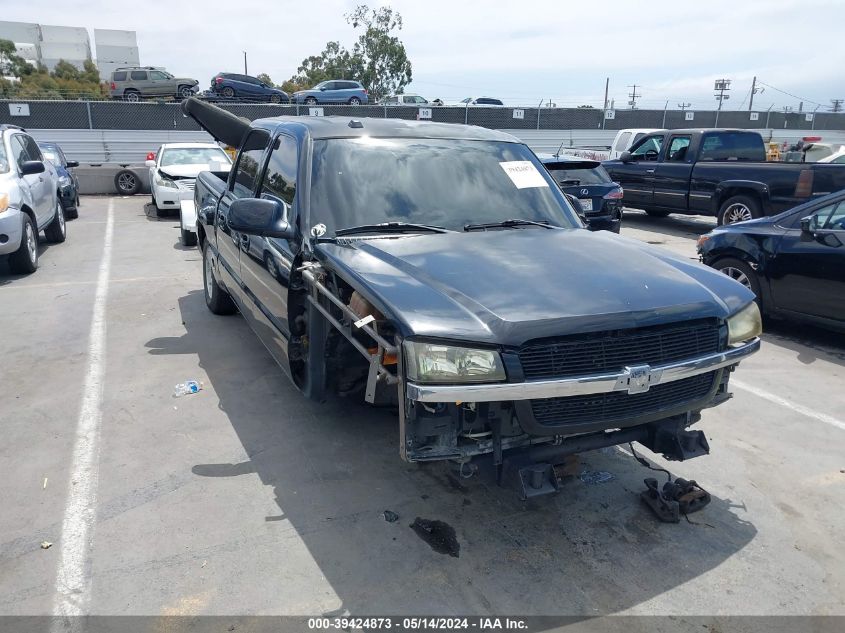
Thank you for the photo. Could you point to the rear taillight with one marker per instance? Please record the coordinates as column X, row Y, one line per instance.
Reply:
column 616, row 194
column 218, row 80
column 365, row 91
column 113, row 87
column 804, row 187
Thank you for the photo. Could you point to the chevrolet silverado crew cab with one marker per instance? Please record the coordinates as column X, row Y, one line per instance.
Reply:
column 716, row 172
column 440, row 268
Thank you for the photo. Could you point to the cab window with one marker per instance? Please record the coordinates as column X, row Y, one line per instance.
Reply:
column 280, row 178
column 678, row 147
column 832, row 218
column 138, row 75
column 156, row 74
column 249, row 161
column 648, row 148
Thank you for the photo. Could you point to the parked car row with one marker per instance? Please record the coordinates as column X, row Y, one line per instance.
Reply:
column 31, row 197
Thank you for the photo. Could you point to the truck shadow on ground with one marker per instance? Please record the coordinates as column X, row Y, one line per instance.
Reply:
column 673, row 225
column 334, row 469
column 810, row 343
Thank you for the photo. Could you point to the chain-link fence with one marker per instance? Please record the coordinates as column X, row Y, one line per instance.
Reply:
column 117, row 115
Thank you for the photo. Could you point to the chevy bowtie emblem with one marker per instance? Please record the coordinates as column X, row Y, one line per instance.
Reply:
column 639, row 378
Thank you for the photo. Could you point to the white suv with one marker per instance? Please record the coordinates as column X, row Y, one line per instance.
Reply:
column 29, row 200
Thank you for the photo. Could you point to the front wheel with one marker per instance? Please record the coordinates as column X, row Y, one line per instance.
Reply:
column 216, row 299
column 738, row 209
column 185, row 92
column 56, row 231
column 275, row 98
column 24, row 261
column 743, row 273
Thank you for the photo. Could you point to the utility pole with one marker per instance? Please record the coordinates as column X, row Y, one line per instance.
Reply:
column 606, row 88
column 684, row 106
column 836, row 105
column 722, row 86
column 246, row 72
column 754, row 90
column 634, row 95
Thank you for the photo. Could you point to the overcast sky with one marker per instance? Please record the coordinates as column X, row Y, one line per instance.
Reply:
column 522, row 52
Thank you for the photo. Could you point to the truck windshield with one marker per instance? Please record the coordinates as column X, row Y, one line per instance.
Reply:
column 442, row 182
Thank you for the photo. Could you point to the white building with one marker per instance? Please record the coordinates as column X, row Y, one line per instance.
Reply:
column 47, row 44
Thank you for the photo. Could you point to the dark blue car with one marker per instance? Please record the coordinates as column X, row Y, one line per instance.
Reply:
column 246, row 88
column 68, row 182
column 589, row 185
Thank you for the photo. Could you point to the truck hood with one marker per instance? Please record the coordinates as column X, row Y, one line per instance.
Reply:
column 510, row 286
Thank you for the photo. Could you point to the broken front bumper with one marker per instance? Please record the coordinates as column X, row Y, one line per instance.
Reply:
column 634, row 380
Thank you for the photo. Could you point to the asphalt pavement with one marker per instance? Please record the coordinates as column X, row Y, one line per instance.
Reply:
column 248, row 499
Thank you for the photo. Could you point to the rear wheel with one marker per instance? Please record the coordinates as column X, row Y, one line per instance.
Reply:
column 217, row 299
column 310, row 101
column 743, row 273
column 657, row 213
column 738, row 209
column 354, row 101
column 228, row 92
column 25, row 260
column 56, row 231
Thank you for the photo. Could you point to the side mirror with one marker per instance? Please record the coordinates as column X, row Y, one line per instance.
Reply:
column 808, row 224
column 72, row 163
column 323, row 89
column 257, row 216
column 150, row 163
column 30, row 167
column 625, row 157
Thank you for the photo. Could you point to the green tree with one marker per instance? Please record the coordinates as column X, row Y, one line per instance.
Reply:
column 12, row 64
column 384, row 64
column 335, row 62
column 266, row 79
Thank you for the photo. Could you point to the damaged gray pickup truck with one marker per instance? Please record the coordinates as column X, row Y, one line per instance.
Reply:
column 440, row 268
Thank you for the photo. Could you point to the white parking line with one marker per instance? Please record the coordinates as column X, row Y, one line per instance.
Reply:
column 783, row 402
column 73, row 577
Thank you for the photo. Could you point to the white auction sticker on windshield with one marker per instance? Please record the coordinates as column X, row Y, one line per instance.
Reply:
column 523, row 174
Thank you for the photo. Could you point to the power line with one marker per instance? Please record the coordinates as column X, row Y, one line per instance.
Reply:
column 788, row 93
column 836, row 105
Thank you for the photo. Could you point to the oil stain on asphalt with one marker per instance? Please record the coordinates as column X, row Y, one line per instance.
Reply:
column 440, row 536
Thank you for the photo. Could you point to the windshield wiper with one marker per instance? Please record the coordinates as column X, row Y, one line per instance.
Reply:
column 507, row 224
column 392, row 227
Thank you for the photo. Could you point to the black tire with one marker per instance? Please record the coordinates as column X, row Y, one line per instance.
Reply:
column 188, row 238
column 738, row 209
column 127, row 182
column 657, row 213
column 24, row 261
column 133, row 96
column 56, row 231
column 72, row 214
column 275, row 98
column 354, row 101
column 743, row 273
column 228, row 92
column 310, row 101
column 216, row 299
column 162, row 213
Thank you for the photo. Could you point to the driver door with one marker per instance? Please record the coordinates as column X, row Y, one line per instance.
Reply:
column 637, row 175
column 266, row 262
column 808, row 273
column 160, row 83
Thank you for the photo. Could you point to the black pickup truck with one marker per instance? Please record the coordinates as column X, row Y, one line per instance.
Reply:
column 716, row 172
column 440, row 269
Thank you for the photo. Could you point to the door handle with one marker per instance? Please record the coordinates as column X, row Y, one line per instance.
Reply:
column 649, row 171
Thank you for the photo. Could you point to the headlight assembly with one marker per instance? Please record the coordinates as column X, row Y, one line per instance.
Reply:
column 439, row 363
column 745, row 324
column 165, row 182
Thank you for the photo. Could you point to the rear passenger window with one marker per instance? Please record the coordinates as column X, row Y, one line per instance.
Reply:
column 280, row 178
column 121, row 76
column 138, row 75
column 732, row 146
column 249, row 160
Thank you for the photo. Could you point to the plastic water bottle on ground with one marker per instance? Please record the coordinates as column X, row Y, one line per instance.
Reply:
column 183, row 388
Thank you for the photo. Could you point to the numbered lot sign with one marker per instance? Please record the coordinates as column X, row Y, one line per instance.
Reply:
column 424, row 113
column 519, row 114
column 610, row 114
column 754, row 116
column 315, row 111
column 689, row 116
column 19, row 109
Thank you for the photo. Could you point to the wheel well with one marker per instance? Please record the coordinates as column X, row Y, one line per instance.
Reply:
column 30, row 213
column 200, row 236
column 730, row 192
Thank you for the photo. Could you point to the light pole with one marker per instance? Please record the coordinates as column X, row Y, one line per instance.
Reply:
column 246, row 72
column 722, row 85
